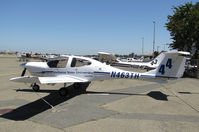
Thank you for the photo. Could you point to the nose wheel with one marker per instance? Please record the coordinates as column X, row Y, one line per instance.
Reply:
column 35, row 87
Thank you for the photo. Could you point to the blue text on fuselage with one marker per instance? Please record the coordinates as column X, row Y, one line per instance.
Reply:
column 124, row 75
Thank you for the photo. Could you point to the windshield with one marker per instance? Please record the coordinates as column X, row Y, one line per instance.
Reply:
column 76, row 62
column 61, row 63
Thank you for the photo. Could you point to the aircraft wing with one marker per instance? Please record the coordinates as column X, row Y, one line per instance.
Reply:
column 47, row 80
column 26, row 79
column 61, row 79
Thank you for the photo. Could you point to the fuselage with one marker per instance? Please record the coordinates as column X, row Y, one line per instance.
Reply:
column 76, row 66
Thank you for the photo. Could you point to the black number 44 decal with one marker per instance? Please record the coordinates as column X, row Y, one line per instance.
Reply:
column 168, row 64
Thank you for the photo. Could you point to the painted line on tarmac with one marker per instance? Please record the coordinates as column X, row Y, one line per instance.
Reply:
column 183, row 100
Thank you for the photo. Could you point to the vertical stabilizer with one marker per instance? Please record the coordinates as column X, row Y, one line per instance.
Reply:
column 156, row 62
column 171, row 66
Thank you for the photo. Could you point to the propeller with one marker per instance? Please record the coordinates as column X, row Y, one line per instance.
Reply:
column 23, row 72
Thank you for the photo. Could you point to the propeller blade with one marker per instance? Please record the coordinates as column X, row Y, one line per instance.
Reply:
column 23, row 73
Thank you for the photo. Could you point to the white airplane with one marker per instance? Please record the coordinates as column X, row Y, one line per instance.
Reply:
column 151, row 64
column 131, row 59
column 81, row 70
column 131, row 62
column 23, row 56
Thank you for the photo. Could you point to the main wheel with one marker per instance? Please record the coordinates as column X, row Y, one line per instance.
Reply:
column 81, row 87
column 77, row 86
column 35, row 87
column 64, row 92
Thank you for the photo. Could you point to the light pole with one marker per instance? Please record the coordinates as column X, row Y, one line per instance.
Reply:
column 142, row 45
column 158, row 48
column 165, row 45
column 154, row 37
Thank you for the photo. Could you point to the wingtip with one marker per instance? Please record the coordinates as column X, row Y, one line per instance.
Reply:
column 23, row 64
column 11, row 79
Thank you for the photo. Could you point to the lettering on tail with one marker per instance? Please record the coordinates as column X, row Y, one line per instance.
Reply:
column 168, row 64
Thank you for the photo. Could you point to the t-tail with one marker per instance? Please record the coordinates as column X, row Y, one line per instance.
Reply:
column 171, row 66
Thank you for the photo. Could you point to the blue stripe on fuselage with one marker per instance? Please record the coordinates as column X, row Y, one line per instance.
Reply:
column 154, row 76
column 148, row 76
column 97, row 72
column 72, row 72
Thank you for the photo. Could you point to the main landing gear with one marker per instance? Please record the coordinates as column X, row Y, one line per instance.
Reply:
column 75, row 89
column 35, row 87
column 64, row 91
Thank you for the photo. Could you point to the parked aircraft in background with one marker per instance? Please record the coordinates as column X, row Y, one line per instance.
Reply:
column 139, row 64
column 23, row 56
column 82, row 70
column 27, row 56
column 131, row 59
column 46, row 57
column 149, row 65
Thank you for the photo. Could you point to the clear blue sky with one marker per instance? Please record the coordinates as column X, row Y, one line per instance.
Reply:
column 84, row 26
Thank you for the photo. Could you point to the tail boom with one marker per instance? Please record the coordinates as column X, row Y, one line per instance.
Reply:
column 171, row 66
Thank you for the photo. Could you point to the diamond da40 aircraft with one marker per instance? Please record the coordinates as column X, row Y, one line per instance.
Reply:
column 81, row 70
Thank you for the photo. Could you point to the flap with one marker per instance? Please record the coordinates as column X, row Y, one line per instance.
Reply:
column 46, row 80
column 60, row 79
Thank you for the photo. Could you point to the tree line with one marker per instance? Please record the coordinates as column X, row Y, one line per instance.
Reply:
column 183, row 26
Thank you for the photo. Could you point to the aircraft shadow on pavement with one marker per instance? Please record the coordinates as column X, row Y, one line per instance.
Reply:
column 31, row 109
column 158, row 95
column 153, row 94
column 187, row 93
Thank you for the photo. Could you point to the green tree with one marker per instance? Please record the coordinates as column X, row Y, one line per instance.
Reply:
column 184, row 28
column 155, row 54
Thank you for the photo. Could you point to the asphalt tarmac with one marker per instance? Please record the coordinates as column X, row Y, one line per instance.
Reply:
column 110, row 105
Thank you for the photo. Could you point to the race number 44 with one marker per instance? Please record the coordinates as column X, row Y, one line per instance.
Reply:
column 168, row 64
